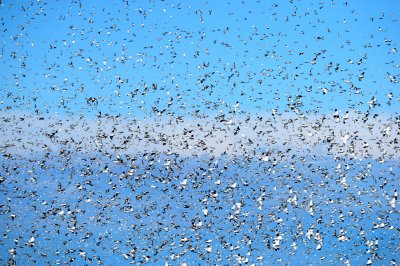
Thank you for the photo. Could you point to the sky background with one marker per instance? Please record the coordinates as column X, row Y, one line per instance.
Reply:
column 132, row 57
column 199, row 132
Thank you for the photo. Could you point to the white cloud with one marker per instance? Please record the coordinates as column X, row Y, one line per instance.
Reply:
column 367, row 136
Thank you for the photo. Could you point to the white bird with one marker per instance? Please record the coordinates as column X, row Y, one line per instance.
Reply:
column 229, row 123
column 345, row 138
column 392, row 202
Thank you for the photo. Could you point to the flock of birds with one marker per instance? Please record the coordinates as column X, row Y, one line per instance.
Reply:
column 215, row 133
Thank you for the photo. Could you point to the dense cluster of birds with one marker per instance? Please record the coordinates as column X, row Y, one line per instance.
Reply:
column 186, row 133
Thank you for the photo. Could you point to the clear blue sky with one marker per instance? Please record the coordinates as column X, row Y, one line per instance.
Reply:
column 256, row 53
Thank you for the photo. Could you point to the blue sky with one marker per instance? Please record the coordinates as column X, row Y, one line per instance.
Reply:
column 109, row 222
column 177, row 45
column 232, row 127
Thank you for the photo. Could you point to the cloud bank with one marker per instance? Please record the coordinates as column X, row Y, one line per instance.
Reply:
column 351, row 134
